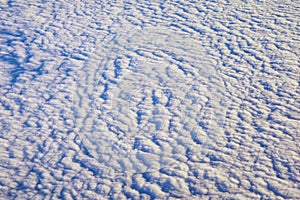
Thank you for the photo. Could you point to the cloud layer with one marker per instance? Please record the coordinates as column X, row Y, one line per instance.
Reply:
column 140, row 100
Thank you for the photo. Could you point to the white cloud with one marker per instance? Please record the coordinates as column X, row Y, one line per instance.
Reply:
column 140, row 99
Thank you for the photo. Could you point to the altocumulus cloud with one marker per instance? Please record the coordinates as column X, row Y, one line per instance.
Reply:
column 149, row 100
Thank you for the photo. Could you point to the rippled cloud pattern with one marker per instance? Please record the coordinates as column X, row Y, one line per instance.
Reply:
column 133, row 99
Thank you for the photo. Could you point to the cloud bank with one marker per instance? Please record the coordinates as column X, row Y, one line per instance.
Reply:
column 149, row 100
